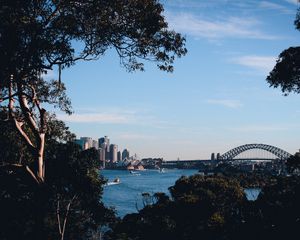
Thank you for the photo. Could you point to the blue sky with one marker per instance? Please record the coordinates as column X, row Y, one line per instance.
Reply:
column 216, row 99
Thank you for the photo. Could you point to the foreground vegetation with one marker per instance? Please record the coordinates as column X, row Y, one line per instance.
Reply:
column 215, row 207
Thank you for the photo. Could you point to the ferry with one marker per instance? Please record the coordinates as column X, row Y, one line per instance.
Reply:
column 114, row 182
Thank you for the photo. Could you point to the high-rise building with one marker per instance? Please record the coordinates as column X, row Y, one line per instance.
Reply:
column 113, row 152
column 104, row 139
column 101, row 152
column 119, row 156
column 104, row 143
column 87, row 142
column 125, row 154
column 79, row 142
column 95, row 144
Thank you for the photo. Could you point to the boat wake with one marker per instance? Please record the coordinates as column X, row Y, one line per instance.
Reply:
column 111, row 183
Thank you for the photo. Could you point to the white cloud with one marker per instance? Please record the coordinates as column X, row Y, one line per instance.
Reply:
column 263, row 64
column 97, row 118
column 259, row 128
column 275, row 6
column 114, row 115
column 225, row 102
column 135, row 136
column 232, row 27
column 296, row 2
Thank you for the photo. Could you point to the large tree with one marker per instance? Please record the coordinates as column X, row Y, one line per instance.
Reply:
column 67, row 206
column 37, row 36
column 286, row 72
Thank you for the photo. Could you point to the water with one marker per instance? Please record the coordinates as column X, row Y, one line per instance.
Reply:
column 252, row 193
column 126, row 196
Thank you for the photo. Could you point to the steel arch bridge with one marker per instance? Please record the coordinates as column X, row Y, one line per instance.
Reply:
column 231, row 154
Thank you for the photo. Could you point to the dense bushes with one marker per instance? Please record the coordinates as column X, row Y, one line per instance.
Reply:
column 215, row 207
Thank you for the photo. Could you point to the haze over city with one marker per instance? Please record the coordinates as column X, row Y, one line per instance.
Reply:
column 216, row 99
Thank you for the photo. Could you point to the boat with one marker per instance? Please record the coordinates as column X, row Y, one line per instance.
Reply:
column 134, row 173
column 114, row 182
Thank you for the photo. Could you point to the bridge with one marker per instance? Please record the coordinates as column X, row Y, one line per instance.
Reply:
column 235, row 154
column 277, row 152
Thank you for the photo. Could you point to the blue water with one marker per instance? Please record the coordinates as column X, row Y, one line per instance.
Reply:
column 126, row 196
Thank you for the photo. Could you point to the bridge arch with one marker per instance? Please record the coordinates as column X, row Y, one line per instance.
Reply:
column 231, row 154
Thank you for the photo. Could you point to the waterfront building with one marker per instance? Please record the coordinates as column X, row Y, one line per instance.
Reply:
column 125, row 154
column 95, row 144
column 87, row 142
column 101, row 153
column 113, row 152
column 104, row 143
column 105, row 140
column 80, row 143
column 119, row 158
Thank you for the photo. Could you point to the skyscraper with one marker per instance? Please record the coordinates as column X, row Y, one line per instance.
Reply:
column 80, row 143
column 95, row 144
column 125, row 154
column 113, row 152
column 87, row 142
column 101, row 152
column 104, row 143
column 119, row 156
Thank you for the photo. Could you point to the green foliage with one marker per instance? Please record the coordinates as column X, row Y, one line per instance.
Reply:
column 293, row 164
column 286, row 73
column 37, row 35
column 216, row 208
column 72, row 178
column 200, row 206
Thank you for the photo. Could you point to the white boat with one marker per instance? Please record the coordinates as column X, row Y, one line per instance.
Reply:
column 134, row 173
column 114, row 182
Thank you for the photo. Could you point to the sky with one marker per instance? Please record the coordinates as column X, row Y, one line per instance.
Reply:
column 216, row 99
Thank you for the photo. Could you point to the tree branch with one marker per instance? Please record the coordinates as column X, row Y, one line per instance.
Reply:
column 20, row 166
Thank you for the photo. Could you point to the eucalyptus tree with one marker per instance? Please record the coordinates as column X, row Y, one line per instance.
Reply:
column 286, row 72
column 37, row 36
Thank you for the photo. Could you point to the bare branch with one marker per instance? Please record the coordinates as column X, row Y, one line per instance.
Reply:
column 58, row 217
column 23, row 134
column 66, row 216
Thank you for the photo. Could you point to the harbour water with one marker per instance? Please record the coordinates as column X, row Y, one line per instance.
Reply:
column 126, row 197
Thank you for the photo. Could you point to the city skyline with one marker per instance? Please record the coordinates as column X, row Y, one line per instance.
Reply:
column 216, row 99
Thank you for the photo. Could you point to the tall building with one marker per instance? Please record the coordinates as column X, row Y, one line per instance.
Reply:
column 104, row 143
column 119, row 156
column 95, row 144
column 104, row 139
column 80, row 143
column 113, row 152
column 125, row 154
column 87, row 142
column 101, row 152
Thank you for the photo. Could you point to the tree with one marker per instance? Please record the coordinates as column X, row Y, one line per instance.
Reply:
column 37, row 36
column 293, row 164
column 286, row 73
column 200, row 207
column 67, row 206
